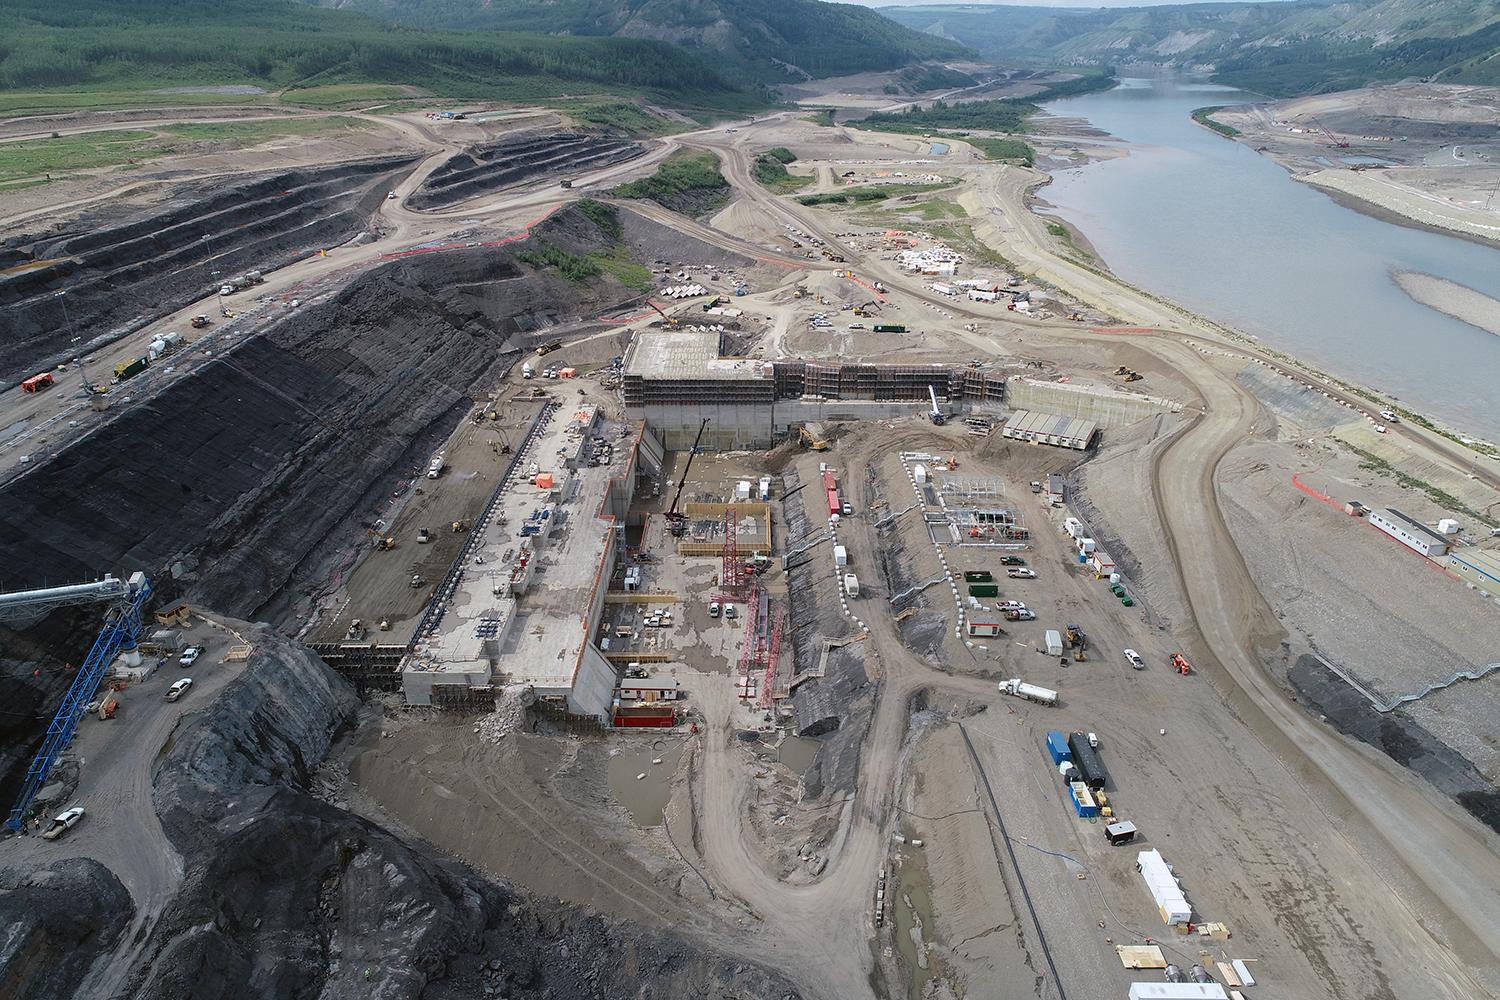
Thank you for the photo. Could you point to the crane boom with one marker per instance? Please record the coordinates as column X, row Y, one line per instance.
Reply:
column 676, row 520
column 122, row 627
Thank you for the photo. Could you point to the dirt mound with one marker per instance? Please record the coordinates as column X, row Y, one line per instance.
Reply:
column 493, row 166
column 118, row 275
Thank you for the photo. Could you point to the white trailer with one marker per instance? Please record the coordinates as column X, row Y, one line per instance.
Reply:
column 1017, row 688
column 840, row 556
column 1073, row 527
column 1164, row 888
column 1054, row 642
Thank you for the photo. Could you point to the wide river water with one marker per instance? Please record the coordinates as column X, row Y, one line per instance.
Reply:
column 1226, row 232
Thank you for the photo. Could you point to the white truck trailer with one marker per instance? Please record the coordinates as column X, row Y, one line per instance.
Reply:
column 1054, row 642
column 1017, row 688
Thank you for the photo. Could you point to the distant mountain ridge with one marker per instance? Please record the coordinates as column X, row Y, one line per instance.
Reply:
column 757, row 41
column 1281, row 49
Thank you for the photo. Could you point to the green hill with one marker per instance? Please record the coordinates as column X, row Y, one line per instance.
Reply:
column 84, row 52
column 760, row 41
column 1280, row 49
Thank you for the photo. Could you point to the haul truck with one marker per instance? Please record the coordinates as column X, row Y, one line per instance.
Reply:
column 1017, row 688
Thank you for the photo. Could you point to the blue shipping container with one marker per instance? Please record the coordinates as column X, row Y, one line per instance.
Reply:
column 1057, row 746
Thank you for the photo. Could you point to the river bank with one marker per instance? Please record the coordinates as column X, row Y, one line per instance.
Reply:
column 1221, row 230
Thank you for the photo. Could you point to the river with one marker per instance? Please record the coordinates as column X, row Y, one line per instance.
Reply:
column 1226, row 232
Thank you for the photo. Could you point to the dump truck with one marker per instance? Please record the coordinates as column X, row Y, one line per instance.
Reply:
column 199, row 322
column 1017, row 688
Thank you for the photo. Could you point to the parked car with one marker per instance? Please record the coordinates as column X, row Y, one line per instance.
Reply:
column 62, row 823
column 1134, row 659
column 1020, row 615
column 1011, row 606
column 713, row 609
column 1021, row 574
column 1012, row 561
column 190, row 655
column 179, row 688
column 730, row 612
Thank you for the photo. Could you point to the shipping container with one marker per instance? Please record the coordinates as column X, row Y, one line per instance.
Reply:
column 1086, row 758
column 833, row 502
column 984, row 590
column 1054, row 642
column 840, row 556
column 129, row 369
column 1057, row 747
column 38, row 382
column 889, row 328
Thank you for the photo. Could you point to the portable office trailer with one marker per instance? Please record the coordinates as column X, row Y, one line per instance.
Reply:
column 1057, row 747
column 1119, row 833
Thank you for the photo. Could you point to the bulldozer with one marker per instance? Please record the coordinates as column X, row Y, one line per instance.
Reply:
column 1078, row 641
column 459, row 527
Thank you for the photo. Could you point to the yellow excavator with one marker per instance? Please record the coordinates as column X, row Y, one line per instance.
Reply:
column 811, row 436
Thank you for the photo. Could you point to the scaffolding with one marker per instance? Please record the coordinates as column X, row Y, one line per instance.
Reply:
column 705, row 534
column 751, row 652
column 769, row 688
column 960, row 489
column 732, row 577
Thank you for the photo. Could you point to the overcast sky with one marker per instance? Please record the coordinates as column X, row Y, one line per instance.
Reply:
column 1034, row 3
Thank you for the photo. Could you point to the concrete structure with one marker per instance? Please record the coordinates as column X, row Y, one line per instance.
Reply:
column 1104, row 407
column 1050, row 428
column 1481, row 567
column 1410, row 532
column 674, row 379
column 546, row 638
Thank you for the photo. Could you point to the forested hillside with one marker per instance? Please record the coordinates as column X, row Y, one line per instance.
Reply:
column 1297, row 47
column 761, row 41
column 140, row 45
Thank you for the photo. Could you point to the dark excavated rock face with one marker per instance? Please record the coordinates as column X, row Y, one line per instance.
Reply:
column 54, row 922
column 286, row 896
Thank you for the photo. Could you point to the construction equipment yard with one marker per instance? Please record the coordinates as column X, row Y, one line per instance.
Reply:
column 806, row 589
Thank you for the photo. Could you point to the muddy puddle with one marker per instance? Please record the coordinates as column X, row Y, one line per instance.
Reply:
column 797, row 753
column 644, row 797
column 913, row 913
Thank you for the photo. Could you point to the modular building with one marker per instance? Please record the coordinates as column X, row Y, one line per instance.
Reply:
column 1057, row 747
column 1481, row 567
column 1410, row 532
column 1163, row 886
column 1083, row 800
column 985, row 629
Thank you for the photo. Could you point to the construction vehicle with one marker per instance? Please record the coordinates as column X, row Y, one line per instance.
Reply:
column 355, row 632
column 549, row 347
column 423, row 536
column 107, row 706
column 459, row 527
column 38, row 382
column 936, row 414
column 1181, row 665
column 418, row 581
column 811, row 437
column 1077, row 641
column 199, row 322
column 566, row 183
column 384, row 544
column 1017, row 688
column 677, row 521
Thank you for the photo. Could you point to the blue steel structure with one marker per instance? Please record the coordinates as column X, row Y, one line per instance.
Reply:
column 122, row 628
